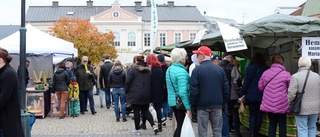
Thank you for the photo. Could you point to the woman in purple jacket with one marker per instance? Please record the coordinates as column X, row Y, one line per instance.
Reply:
column 274, row 84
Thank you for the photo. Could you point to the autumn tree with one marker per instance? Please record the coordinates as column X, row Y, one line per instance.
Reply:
column 85, row 37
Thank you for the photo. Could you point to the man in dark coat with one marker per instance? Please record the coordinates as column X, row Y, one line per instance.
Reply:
column 103, row 78
column 10, row 114
column 85, row 77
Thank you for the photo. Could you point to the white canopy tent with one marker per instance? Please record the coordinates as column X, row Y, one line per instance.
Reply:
column 38, row 42
column 42, row 49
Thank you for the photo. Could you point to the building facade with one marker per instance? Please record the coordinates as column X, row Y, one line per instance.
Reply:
column 129, row 24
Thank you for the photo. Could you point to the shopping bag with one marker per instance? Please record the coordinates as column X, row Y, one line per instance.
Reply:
column 241, row 105
column 187, row 130
column 153, row 113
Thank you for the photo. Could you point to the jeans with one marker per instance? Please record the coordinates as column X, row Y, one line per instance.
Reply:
column 107, row 96
column 306, row 125
column 235, row 115
column 179, row 114
column 84, row 96
column 165, row 109
column 274, row 119
column 256, row 116
column 215, row 118
column 119, row 94
column 225, row 124
column 101, row 92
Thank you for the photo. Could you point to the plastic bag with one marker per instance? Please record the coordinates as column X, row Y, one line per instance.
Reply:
column 187, row 130
column 241, row 105
column 153, row 113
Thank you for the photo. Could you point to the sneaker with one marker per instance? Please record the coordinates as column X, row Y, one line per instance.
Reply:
column 124, row 120
column 118, row 120
column 93, row 112
column 82, row 112
column 137, row 132
column 155, row 129
column 163, row 120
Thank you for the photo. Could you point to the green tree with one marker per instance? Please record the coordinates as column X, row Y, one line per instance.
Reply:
column 86, row 38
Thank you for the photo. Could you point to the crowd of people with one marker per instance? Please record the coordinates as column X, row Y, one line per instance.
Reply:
column 208, row 92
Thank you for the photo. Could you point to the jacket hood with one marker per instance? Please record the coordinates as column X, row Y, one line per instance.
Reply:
column 117, row 71
column 194, row 59
column 143, row 67
column 60, row 70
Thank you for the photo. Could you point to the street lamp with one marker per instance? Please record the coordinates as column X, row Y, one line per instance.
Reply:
column 25, row 116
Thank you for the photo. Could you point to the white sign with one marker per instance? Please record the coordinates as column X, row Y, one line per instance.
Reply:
column 199, row 36
column 231, row 38
column 154, row 24
column 311, row 47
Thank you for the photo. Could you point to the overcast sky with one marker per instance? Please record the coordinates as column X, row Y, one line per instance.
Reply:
column 239, row 10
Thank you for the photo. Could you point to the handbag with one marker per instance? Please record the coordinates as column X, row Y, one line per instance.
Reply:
column 296, row 105
column 179, row 104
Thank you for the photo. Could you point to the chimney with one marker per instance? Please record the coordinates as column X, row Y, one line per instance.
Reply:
column 138, row 5
column 55, row 4
column 170, row 4
column 89, row 4
column 148, row 3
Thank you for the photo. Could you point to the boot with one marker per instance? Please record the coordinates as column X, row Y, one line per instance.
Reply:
column 160, row 127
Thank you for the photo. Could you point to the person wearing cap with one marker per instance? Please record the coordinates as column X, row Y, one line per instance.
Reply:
column 216, row 59
column 209, row 90
column 85, row 77
column 103, row 79
column 233, row 75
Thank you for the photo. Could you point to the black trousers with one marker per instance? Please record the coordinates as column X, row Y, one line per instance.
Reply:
column 144, row 109
column 179, row 114
column 157, row 107
column 274, row 120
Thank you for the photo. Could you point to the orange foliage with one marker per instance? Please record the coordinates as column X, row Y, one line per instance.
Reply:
column 86, row 38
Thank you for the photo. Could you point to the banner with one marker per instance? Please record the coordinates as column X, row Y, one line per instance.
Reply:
column 231, row 38
column 154, row 25
column 311, row 47
column 199, row 36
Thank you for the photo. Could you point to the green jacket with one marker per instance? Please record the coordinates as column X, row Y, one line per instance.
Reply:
column 180, row 78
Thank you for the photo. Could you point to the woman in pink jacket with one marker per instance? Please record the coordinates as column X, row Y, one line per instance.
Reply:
column 274, row 84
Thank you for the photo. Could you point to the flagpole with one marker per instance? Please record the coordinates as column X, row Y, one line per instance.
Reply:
column 153, row 25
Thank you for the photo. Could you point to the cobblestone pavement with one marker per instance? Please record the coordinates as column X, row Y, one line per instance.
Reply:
column 103, row 124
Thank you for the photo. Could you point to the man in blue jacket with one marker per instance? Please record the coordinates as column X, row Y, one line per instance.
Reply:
column 208, row 91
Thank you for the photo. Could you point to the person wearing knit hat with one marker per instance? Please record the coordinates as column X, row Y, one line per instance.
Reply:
column 204, row 79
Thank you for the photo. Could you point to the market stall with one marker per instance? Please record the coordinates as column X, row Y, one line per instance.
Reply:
column 42, row 50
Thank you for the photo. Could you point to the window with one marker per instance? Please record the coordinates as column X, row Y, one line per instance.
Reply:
column 146, row 39
column 162, row 39
column 177, row 37
column 131, row 39
column 192, row 36
column 116, row 42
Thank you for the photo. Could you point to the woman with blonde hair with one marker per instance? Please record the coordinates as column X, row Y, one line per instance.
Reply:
column 177, row 80
column 117, row 79
column 307, row 117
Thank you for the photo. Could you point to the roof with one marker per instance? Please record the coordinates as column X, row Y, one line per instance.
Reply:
column 223, row 20
column 311, row 8
column 165, row 13
column 299, row 11
column 7, row 30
